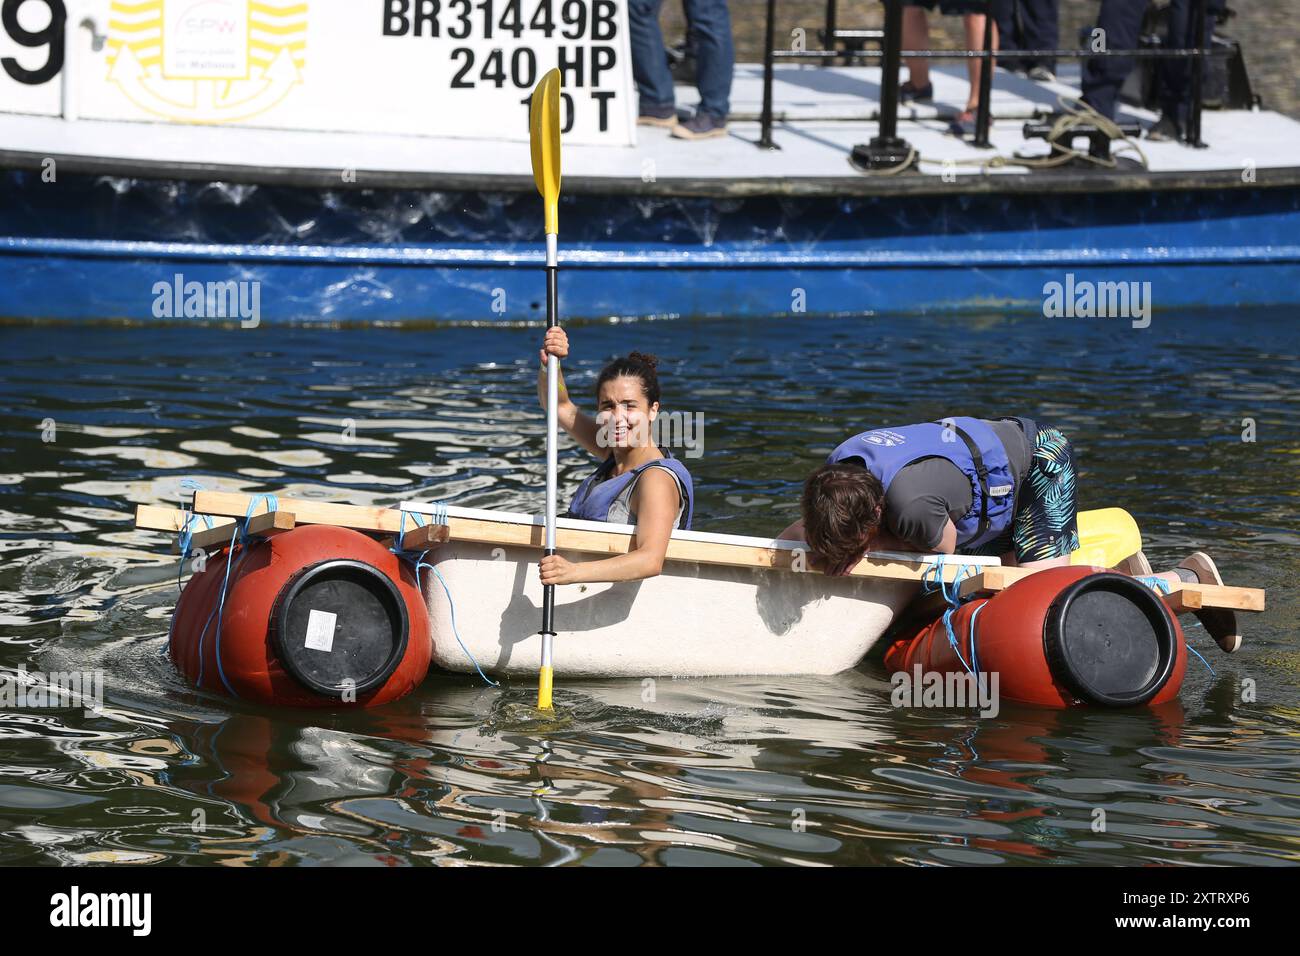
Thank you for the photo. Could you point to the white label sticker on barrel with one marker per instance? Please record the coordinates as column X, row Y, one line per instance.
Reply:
column 320, row 630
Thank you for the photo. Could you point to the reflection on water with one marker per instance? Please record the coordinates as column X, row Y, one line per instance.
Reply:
column 738, row 770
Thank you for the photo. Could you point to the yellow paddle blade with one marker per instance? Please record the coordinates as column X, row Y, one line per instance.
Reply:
column 544, row 133
column 1106, row 537
column 544, row 684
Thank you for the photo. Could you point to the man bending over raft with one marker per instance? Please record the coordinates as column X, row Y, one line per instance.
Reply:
column 975, row 486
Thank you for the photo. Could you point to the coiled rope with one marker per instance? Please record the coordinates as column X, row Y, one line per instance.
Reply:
column 1074, row 113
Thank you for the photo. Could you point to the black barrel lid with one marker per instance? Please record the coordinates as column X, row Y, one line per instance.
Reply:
column 1109, row 639
column 340, row 625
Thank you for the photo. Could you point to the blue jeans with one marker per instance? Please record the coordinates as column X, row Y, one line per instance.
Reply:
column 710, row 29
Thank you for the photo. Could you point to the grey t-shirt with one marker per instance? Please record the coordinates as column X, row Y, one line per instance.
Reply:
column 928, row 493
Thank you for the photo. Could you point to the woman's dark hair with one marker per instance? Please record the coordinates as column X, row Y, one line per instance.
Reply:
column 841, row 510
column 638, row 365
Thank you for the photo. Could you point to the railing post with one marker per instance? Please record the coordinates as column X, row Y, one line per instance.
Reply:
column 828, row 40
column 886, row 150
column 889, row 74
column 769, row 62
column 984, row 111
column 1198, row 77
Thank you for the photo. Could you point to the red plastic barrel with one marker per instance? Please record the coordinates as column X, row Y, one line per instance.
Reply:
column 315, row 617
column 1060, row 638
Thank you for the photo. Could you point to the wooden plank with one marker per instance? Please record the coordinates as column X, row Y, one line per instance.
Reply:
column 263, row 525
column 171, row 520
column 156, row 518
column 1222, row 595
column 422, row 538
column 1181, row 597
column 992, row 579
column 606, row 543
column 360, row 518
column 1183, row 601
column 388, row 520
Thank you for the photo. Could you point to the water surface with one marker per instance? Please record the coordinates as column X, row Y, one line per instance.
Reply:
column 742, row 771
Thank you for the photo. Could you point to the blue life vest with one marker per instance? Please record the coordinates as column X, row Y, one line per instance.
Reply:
column 602, row 498
column 971, row 445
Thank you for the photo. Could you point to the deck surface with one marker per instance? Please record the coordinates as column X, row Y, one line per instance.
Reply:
column 823, row 113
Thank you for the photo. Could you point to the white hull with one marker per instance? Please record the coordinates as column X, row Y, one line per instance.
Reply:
column 695, row 619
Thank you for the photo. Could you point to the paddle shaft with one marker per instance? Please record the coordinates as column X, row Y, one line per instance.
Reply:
column 552, row 437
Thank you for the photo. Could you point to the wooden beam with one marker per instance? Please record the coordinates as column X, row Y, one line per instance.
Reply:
column 172, row 520
column 387, row 521
column 1222, row 595
column 422, row 538
column 1183, row 601
column 263, row 525
column 1181, row 597
column 992, row 579
column 360, row 518
column 478, row 530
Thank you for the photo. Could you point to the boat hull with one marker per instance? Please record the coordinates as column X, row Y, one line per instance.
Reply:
column 383, row 256
column 693, row 620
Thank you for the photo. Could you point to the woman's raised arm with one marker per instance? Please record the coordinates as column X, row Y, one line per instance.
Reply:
column 572, row 420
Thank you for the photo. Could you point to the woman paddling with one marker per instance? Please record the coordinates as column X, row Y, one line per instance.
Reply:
column 636, row 483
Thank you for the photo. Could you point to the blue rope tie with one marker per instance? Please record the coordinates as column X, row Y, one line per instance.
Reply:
column 1164, row 587
column 438, row 514
column 1157, row 584
column 974, row 650
column 954, row 601
column 246, row 541
column 1200, row 658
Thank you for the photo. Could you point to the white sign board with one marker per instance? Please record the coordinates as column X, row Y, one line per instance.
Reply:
column 462, row 68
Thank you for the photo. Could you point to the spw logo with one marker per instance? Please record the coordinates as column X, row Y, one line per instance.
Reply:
column 884, row 437
column 205, row 26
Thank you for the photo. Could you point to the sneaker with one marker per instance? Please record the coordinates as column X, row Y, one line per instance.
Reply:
column 1166, row 130
column 907, row 93
column 1042, row 74
column 1136, row 566
column 1219, row 621
column 662, row 116
column 701, row 126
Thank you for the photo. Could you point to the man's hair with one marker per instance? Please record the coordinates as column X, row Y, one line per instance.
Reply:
column 841, row 507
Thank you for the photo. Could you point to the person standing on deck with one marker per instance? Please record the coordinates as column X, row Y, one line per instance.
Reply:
column 1004, row 487
column 1119, row 22
column 636, row 483
column 709, row 26
column 916, row 36
column 1174, row 76
column 1028, row 25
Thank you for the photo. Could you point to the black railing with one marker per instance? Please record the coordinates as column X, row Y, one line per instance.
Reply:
column 892, row 54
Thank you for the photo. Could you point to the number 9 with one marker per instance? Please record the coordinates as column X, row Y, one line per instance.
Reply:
column 52, row 34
